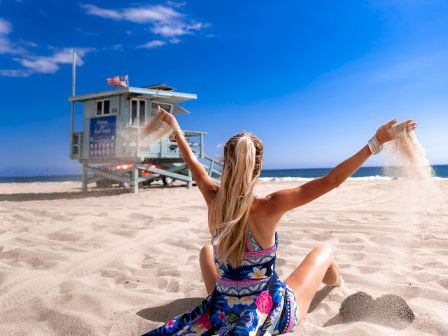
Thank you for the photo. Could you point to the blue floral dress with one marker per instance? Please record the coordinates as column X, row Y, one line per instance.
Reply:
column 248, row 300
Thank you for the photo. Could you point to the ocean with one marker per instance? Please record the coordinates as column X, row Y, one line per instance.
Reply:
column 363, row 173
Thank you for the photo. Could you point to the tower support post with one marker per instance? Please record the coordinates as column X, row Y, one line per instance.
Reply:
column 85, row 173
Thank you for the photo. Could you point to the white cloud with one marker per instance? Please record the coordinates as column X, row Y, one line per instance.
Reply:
column 5, row 27
column 28, row 44
column 39, row 64
column 176, row 4
column 6, row 47
column 151, row 14
column 195, row 26
column 51, row 64
column 165, row 21
column 174, row 40
column 153, row 44
column 157, row 13
column 169, row 31
column 30, row 62
column 105, row 13
column 15, row 72
column 176, row 29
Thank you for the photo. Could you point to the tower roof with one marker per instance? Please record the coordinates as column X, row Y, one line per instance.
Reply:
column 164, row 87
column 160, row 92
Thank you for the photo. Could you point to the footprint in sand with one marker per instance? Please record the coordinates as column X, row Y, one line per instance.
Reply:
column 66, row 235
column 125, row 233
column 47, row 214
column 171, row 271
column 443, row 283
column 137, row 215
column 23, row 258
column 149, row 261
column 174, row 219
column 173, row 286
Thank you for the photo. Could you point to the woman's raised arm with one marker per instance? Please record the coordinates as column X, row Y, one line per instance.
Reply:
column 205, row 184
column 284, row 200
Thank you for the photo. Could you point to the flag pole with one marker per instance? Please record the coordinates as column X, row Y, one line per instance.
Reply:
column 73, row 89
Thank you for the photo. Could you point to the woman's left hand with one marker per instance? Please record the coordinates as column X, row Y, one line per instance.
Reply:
column 385, row 134
column 167, row 117
column 171, row 120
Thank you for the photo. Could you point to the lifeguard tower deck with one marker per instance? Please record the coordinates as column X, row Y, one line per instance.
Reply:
column 110, row 148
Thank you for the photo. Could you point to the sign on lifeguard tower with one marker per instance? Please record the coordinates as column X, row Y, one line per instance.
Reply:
column 102, row 137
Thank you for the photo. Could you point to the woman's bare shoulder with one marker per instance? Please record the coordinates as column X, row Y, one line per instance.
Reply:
column 261, row 204
column 261, row 213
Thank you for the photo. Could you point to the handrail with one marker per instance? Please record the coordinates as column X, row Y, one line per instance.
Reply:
column 212, row 164
column 193, row 132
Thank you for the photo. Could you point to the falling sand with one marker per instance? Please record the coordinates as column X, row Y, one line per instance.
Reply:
column 406, row 158
column 152, row 133
column 417, row 194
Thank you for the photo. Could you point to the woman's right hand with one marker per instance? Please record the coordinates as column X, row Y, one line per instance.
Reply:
column 386, row 132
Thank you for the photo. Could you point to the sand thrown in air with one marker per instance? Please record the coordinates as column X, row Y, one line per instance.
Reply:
column 155, row 130
column 416, row 192
column 405, row 157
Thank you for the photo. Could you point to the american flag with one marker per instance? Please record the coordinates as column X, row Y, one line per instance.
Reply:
column 121, row 81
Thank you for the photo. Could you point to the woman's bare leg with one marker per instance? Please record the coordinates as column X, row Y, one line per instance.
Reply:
column 319, row 266
column 208, row 268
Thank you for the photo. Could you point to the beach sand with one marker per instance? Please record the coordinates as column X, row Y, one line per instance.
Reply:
column 120, row 263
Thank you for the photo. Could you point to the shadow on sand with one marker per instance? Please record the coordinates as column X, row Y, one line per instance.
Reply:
column 388, row 310
column 50, row 196
column 167, row 312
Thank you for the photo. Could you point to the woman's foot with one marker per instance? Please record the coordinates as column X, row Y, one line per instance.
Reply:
column 333, row 276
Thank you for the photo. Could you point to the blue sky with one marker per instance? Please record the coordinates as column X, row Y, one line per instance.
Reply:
column 313, row 79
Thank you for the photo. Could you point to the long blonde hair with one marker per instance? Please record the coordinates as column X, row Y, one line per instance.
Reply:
column 243, row 155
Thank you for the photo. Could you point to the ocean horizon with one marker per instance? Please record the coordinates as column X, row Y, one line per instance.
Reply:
column 363, row 173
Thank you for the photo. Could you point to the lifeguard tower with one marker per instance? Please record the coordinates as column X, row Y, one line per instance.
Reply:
column 110, row 148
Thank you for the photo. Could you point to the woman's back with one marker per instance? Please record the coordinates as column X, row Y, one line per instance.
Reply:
column 262, row 225
column 253, row 273
column 247, row 298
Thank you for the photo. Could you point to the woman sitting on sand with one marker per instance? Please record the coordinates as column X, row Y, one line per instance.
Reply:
column 246, row 296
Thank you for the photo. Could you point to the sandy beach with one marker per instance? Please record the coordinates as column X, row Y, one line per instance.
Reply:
column 120, row 263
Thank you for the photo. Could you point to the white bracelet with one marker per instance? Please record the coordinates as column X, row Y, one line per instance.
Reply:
column 374, row 145
column 176, row 133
